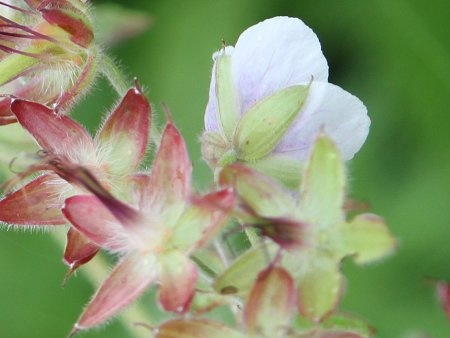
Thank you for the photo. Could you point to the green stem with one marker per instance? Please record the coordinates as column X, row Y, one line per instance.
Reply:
column 110, row 69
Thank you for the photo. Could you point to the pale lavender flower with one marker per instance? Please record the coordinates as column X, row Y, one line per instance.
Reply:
column 273, row 55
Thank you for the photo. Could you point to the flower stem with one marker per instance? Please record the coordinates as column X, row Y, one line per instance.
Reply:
column 115, row 76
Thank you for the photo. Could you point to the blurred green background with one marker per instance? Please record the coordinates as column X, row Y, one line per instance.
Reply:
column 394, row 55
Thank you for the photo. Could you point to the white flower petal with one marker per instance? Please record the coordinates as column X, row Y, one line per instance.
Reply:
column 342, row 116
column 273, row 55
column 212, row 112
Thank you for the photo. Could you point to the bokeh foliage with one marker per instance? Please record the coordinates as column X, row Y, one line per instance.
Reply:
column 394, row 55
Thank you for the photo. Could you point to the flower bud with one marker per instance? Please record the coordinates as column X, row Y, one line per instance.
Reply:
column 47, row 53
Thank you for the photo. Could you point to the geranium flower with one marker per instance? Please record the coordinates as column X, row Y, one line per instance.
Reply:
column 268, row 98
column 154, row 237
column 70, row 152
column 312, row 229
column 47, row 52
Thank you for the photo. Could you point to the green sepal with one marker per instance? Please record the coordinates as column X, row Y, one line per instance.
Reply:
column 366, row 238
column 283, row 168
column 226, row 93
column 242, row 273
column 15, row 64
column 323, row 185
column 347, row 322
column 264, row 124
column 320, row 288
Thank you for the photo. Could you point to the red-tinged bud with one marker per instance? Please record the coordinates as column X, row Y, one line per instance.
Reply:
column 72, row 22
column 47, row 53
column 79, row 250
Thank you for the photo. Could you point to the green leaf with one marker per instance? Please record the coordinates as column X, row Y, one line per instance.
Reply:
column 264, row 124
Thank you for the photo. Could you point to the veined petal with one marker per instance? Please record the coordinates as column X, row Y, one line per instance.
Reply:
column 320, row 288
column 265, row 196
column 367, row 238
column 271, row 303
column 341, row 115
column 171, row 173
column 323, row 186
column 36, row 203
column 177, row 276
column 202, row 219
column 195, row 328
column 79, row 250
column 54, row 133
column 126, row 131
column 275, row 54
column 90, row 217
column 129, row 279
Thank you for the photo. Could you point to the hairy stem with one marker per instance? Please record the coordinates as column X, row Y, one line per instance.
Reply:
column 115, row 76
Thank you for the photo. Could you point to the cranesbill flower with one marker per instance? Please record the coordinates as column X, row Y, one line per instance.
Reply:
column 154, row 237
column 313, row 229
column 268, row 98
column 47, row 52
column 69, row 152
